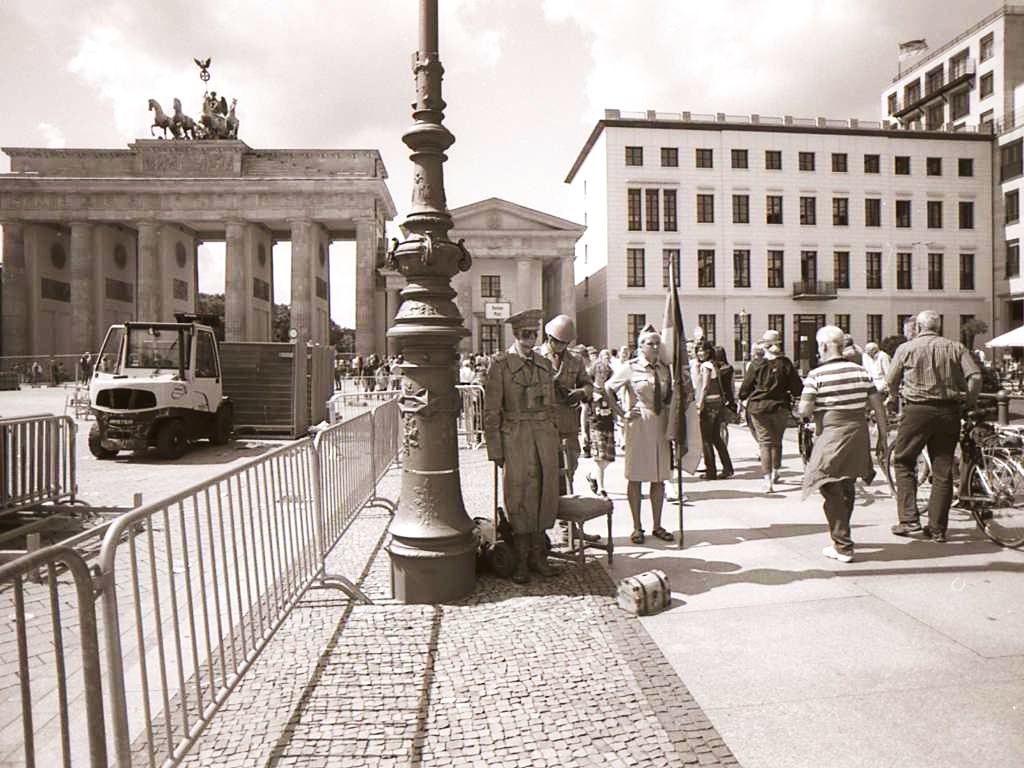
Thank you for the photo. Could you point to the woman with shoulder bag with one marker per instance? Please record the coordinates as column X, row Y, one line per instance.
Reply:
column 710, row 405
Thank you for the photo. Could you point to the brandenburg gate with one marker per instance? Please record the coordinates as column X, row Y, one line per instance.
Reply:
column 99, row 236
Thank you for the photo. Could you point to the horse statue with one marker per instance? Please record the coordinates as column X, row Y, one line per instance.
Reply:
column 232, row 121
column 184, row 124
column 161, row 120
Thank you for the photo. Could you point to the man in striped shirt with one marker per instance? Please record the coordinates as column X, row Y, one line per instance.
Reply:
column 836, row 393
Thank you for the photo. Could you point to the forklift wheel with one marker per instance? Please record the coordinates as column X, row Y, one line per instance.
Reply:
column 502, row 560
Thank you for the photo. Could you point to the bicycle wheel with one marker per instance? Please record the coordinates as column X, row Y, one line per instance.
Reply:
column 997, row 501
column 924, row 472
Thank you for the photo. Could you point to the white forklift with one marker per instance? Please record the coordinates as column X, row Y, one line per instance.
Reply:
column 158, row 385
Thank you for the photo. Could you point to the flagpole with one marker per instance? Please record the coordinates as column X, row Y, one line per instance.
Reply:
column 674, row 277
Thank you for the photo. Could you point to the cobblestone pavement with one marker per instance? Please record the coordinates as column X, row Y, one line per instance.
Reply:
column 548, row 674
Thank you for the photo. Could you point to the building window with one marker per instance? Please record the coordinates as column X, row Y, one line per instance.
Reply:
column 1012, row 259
column 872, row 164
column 904, row 271
column 776, row 275
column 633, row 209
column 958, row 65
column 933, row 166
column 741, row 268
column 987, row 120
column 668, row 197
column 873, row 270
column 653, row 205
column 933, row 81
column 935, row 280
column 966, row 209
column 901, row 165
column 874, row 323
column 669, row 157
column 773, row 159
column 1010, row 157
column 740, row 336
column 934, row 214
column 965, row 166
column 985, row 86
column 903, row 213
column 778, row 323
column 741, row 209
column 894, row 102
column 634, row 155
column 841, row 269
column 773, row 209
column 839, row 162
column 959, row 105
column 808, row 210
column 705, row 209
column 987, row 47
column 634, row 323
column 805, row 160
column 705, row 268
column 1011, row 204
column 490, row 286
column 872, row 212
column 966, row 271
column 489, row 338
column 842, row 322
column 911, row 93
column 635, row 268
column 840, row 211
column 739, row 158
column 707, row 322
column 669, row 261
column 964, row 320
column 901, row 323
column 934, row 116
column 705, row 158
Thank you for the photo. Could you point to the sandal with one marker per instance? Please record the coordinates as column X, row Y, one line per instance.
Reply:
column 637, row 537
column 592, row 482
column 662, row 534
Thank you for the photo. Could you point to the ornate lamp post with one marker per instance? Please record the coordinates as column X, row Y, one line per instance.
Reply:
column 433, row 547
column 744, row 347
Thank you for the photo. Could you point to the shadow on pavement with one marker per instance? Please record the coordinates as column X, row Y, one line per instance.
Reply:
column 201, row 454
column 572, row 580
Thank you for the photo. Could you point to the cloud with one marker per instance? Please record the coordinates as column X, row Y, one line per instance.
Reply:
column 53, row 136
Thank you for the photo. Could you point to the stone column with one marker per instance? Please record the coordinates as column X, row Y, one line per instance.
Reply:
column 149, row 302
column 83, row 287
column 237, row 278
column 567, row 286
column 366, row 273
column 304, row 245
column 16, row 319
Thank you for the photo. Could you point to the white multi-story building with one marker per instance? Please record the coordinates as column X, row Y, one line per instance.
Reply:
column 977, row 79
column 780, row 223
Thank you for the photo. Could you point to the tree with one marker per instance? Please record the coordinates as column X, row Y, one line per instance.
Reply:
column 282, row 323
column 889, row 344
column 213, row 304
column 970, row 328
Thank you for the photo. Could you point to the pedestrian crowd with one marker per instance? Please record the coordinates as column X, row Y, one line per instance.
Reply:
column 543, row 394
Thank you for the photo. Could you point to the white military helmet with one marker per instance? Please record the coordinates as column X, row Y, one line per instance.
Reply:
column 561, row 328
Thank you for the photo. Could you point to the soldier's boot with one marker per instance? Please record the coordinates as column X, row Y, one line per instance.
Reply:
column 539, row 556
column 522, row 547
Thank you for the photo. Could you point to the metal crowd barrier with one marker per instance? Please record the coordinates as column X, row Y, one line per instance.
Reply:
column 471, row 414
column 37, row 461
column 191, row 589
column 347, row 405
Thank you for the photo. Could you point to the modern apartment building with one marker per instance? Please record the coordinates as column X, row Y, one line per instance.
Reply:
column 780, row 223
column 977, row 79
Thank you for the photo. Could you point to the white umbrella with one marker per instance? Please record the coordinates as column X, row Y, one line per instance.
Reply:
column 1014, row 338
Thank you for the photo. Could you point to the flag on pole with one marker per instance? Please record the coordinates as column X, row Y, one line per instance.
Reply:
column 912, row 48
column 683, row 427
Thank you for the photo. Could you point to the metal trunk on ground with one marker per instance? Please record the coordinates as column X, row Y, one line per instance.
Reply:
column 433, row 546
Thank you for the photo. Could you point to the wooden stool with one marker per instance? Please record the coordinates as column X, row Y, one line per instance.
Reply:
column 576, row 510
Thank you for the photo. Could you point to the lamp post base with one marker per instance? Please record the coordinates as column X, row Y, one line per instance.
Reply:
column 438, row 575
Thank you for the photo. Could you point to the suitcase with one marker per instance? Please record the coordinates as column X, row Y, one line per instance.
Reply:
column 645, row 593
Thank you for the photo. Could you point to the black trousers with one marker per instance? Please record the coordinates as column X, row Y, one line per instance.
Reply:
column 937, row 428
column 839, row 497
column 711, row 416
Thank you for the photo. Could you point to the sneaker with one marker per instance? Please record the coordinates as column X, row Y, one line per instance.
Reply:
column 907, row 529
column 725, row 475
column 777, row 477
column 768, row 487
column 939, row 537
column 833, row 554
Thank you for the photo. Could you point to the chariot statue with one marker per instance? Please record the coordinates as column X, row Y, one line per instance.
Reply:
column 218, row 121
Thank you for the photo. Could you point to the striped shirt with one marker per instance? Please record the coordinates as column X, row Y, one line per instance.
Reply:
column 930, row 368
column 838, row 385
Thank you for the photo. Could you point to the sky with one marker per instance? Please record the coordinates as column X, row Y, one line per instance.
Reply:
column 525, row 81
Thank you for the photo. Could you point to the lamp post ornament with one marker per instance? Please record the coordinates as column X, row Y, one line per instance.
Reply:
column 432, row 547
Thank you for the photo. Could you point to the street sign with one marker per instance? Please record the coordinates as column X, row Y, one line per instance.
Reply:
column 497, row 310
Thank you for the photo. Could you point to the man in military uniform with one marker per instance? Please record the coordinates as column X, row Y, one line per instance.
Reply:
column 519, row 427
column 573, row 386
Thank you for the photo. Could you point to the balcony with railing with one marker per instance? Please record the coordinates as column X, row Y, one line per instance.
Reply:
column 814, row 290
column 959, row 75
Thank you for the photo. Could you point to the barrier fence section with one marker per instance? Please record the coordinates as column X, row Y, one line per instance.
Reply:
column 190, row 590
column 37, row 461
column 346, row 405
column 471, row 414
